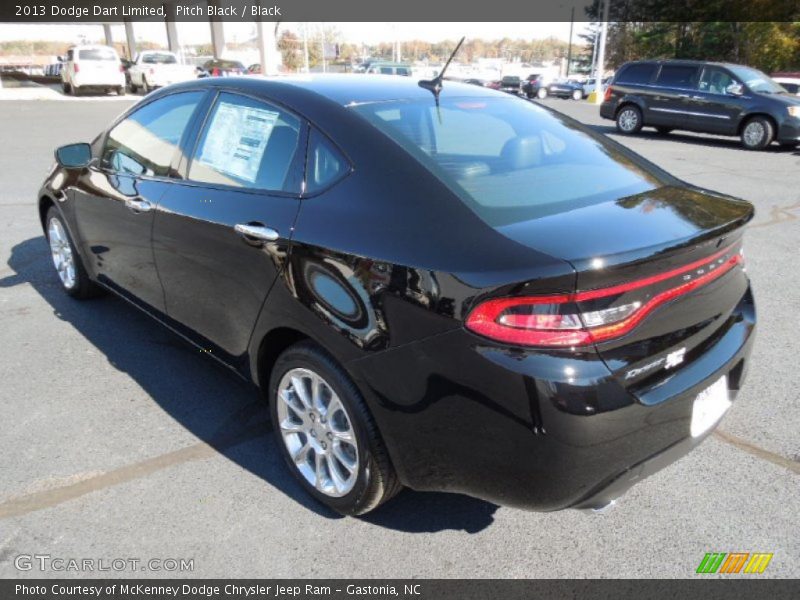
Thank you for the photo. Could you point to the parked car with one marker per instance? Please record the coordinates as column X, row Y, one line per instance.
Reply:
column 566, row 89
column 534, row 86
column 589, row 86
column 156, row 68
column 254, row 69
column 217, row 67
column 53, row 69
column 388, row 68
column 92, row 68
column 506, row 304
column 790, row 81
column 719, row 98
column 511, row 84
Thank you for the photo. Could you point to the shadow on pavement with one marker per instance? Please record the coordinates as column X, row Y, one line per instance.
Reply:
column 214, row 405
column 732, row 143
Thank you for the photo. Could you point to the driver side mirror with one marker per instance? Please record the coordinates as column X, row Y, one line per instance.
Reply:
column 735, row 89
column 74, row 156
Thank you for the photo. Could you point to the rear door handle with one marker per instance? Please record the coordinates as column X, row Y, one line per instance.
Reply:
column 257, row 231
column 138, row 205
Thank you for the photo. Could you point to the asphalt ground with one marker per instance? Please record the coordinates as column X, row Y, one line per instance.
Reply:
column 120, row 441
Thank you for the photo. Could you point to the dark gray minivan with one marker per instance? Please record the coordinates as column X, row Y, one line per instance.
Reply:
column 718, row 98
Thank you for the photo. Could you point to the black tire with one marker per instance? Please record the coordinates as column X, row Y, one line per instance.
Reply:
column 133, row 88
column 67, row 88
column 629, row 119
column 83, row 287
column 664, row 130
column 376, row 481
column 757, row 133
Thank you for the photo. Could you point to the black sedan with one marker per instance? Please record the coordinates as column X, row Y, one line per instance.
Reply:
column 511, row 84
column 467, row 293
column 566, row 89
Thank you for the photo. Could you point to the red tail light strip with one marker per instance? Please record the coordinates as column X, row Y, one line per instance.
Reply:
column 561, row 331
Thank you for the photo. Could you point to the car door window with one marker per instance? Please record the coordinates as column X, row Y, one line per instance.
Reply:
column 145, row 142
column 249, row 144
column 326, row 165
column 637, row 74
column 715, row 80
column 677, row 76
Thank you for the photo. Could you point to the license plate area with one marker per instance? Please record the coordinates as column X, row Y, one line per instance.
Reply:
column 709, row 406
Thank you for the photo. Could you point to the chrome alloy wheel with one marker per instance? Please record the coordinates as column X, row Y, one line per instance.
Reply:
column 60, row 249
column 628, row 119
column 754, row 133
column 317, row 432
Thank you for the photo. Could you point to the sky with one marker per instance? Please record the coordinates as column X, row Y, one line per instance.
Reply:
column 368, row 33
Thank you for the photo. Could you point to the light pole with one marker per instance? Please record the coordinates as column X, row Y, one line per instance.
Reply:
column 601, row 56
column 569, row 49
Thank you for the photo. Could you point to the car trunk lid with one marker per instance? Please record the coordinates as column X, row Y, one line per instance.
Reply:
column 658, row 275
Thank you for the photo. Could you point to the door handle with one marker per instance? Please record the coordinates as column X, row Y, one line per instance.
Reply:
column 257, row 231
column 138, row 205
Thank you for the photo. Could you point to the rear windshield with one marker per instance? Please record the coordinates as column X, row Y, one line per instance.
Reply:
column 162, row 58
column 509, row 159
column 98, row 54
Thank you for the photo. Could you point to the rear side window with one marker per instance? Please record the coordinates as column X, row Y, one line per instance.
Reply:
column 387, row 70
column 637, row 74
column 250, row 144
column 326, row 165
column 508, row 160
column 97, row 54
column 145, row 141
column 678, row 76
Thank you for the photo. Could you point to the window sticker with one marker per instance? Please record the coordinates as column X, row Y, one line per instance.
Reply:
column 236, row 140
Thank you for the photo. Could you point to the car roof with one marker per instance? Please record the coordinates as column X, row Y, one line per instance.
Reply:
column 348, row 89
column 687, row 62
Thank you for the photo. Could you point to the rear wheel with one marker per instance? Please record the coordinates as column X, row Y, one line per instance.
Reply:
column 74, row 279
column 664, row 130
column 629, row 119
column 67, row 88
column 326, row 433
column 757, row 133
column 577, row 95
column 542, row 93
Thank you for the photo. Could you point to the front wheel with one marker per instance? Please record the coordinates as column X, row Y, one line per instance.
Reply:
column 577, row 95
column 629, row 119
column 326, row 433
column 74, row 279
column 542, row 93
column 757, row 133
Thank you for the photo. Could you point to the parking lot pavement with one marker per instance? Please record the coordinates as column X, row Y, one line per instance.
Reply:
column 120, row 441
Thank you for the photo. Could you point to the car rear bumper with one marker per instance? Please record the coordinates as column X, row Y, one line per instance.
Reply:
column 536, row 430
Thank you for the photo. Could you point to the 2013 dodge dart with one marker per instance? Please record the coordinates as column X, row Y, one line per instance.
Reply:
column 435, row 285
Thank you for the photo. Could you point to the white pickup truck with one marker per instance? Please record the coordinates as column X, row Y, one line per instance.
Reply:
column 156, row 68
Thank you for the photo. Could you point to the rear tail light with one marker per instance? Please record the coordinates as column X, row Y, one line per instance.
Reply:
column 607, row 95
column 215, row 72
column 593, row 316
column 76, row 67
